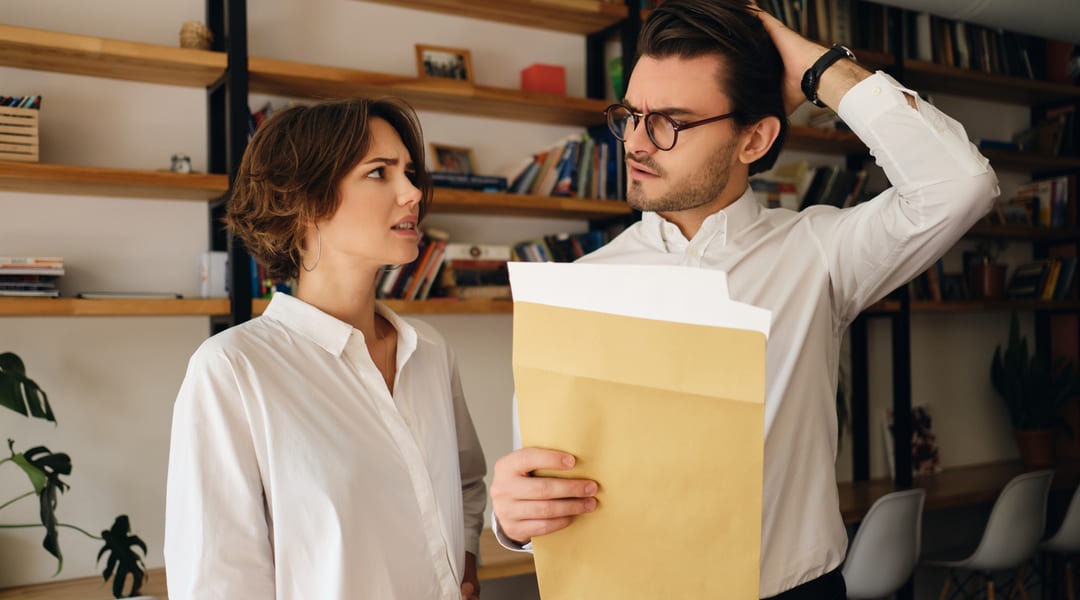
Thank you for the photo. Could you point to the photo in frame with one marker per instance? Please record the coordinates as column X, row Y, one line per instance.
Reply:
column 440, row 62
column 452, row 159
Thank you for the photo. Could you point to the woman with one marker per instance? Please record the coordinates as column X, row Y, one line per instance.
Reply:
column 324, row 450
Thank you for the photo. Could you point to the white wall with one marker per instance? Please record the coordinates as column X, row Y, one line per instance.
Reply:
column 112, row 380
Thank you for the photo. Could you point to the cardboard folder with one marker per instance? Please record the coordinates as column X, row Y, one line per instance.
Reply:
column 655, row 381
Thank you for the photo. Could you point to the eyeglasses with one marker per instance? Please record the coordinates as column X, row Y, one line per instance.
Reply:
column 663, row 130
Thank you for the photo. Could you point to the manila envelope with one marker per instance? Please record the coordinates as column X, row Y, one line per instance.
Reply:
column 668, row 418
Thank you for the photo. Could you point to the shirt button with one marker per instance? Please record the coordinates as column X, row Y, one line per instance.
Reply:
column 876, row 91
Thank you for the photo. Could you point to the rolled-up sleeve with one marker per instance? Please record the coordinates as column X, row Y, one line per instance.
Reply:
column 940, row 186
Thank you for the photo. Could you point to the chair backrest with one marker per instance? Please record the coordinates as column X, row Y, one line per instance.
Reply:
column 886, row 545
column 1016, row 523
column 1067, row 538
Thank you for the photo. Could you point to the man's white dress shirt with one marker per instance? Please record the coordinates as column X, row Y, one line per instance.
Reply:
column 816, row 270
column 295, row 474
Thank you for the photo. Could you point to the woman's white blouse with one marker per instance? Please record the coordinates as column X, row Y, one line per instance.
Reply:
column 293, row 472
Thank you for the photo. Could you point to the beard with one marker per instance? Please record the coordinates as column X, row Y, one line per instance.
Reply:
column 693, row 191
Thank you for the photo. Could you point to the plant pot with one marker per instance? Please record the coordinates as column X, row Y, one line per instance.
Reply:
column 1036, row 447
column 988, row 280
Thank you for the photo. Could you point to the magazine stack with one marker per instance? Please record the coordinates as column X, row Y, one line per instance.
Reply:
column 30, row 276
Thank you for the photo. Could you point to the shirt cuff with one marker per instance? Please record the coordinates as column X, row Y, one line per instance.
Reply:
column 506, row 542
column 870, row 97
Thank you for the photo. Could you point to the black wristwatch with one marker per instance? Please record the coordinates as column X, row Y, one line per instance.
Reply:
column 812, row 78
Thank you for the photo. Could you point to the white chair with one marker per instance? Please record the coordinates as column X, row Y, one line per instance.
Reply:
column 886, row 546
column 1066, row 542
column 1010, row 539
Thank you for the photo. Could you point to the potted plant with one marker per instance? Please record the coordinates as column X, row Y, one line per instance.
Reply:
column 987, row 274
column 44, row 469
column 1033, row 388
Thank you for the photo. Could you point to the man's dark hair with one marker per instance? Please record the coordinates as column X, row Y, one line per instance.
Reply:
column 752, row 71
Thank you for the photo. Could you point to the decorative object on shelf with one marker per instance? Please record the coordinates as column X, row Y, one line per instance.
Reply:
column 925, row 455
column 986, row 274
column 440, row 62
column 19, row 134
column 181, row 163
column 545, row 79
column 195, row 35
column 453, row 159
column 44, row 469
column 1033, row 388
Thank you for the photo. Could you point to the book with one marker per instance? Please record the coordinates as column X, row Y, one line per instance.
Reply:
column 468, row 181
column 1028, row 279
column 128, row 295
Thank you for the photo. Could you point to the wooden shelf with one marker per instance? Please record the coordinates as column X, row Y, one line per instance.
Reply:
column 1027, row 162
column 1024, row 232
column 42, row 50
column 288, row 78
column 818, row 139
column 496, row 562
column 77, row 307
column 581, row 16
column 455, row 201
column 886, row 307
column 930, row 77
column 953, row 487
column 439, row 306
column 98, row 181
column 929, row 306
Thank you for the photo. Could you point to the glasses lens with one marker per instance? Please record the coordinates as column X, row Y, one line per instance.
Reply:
column 661, row 130
column 619, row 118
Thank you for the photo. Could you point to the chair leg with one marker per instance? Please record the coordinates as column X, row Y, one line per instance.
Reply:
column 989, row 588
column 1018, row 584
column 945, row 587
column 1070, row 590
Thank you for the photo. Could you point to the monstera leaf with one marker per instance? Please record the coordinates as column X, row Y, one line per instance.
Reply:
column 20, row 393
column 123, row 561
column 44, row 469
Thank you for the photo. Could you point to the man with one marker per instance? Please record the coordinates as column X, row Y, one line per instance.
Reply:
column 704, row 110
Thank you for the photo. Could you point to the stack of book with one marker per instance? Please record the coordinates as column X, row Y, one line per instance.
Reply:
column 30, row 276
column 416, row 280
column 587, row 165
column 475, row 271
column 559, row 247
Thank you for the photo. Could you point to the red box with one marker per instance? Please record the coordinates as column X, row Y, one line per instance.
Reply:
column 547, row 79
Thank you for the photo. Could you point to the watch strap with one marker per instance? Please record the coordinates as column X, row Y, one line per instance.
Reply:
column 812, row 78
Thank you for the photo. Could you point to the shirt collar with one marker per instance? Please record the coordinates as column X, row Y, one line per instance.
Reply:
column 331, row 333
column 717, row 228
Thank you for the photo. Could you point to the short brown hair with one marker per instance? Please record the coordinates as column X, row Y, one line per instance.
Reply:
column 731, row 30
column 289, row 175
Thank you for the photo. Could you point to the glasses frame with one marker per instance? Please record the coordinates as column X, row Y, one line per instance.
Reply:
column 676, row 125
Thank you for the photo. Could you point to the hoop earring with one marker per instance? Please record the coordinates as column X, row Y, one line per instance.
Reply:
column 318, row 256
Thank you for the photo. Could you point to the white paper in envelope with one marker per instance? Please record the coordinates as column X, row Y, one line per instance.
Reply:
column 655, row 381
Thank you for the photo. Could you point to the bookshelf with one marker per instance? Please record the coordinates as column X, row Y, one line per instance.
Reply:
column 931, row 78
column 582, row 16
column 100, row 181
column 78, row 307
column 303, row 80
column 41, row 50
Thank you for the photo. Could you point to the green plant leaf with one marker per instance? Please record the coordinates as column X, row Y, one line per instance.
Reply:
column 38, row 478
column 122, row 559
column 53, row 466
column 20, row 393
column 1032, row 387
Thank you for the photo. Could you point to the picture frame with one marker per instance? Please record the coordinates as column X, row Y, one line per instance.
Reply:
column 452, row 159
column 442, row 62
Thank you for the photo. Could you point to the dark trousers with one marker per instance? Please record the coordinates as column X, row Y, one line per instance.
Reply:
column 829, row 586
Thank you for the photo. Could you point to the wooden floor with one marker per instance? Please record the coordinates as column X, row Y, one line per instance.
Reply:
column 951, row 488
